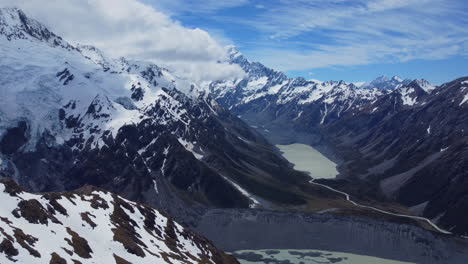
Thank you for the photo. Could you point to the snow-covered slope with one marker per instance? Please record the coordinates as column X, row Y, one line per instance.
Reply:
column 93, row 226
column 132, row 127
column 14, row 24
column 43, row 82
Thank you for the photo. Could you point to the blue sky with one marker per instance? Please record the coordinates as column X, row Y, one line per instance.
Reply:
column 338, row 39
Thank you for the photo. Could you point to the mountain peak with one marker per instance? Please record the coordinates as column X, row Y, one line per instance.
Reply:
column 233, row 52
column 385, row 83
column 397, row 78
column 382, row 78
column 15, row 24
column 425, row 85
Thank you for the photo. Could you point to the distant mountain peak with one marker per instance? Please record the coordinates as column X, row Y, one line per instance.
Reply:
column 385, row 83
column 382, row 78
column 233, row 52
column 255, row 70
column 397, row 78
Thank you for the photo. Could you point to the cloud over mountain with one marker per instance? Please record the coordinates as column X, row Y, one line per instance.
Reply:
column 136, row 30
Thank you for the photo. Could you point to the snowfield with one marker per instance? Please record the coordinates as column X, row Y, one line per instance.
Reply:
column 43, row 77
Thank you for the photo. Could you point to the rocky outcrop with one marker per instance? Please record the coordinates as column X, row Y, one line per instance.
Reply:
column 62, row 228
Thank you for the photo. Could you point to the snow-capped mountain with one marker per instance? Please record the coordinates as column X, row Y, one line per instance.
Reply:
column 269, row 99
column 70, row 116
column 14, row 25
column 385, row 83
column 93, row 226
column 263, row 83
column 405, row 96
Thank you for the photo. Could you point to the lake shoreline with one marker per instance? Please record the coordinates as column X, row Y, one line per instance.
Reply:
column 294, row 256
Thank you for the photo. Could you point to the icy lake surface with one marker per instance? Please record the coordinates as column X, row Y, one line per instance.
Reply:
column 306, row 158
column 292, row 256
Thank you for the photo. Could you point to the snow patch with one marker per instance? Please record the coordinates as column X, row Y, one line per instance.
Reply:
column 465, row 99
column 406, row 96
column 255, row 201
column 359, row 84
column 189, row 146
column 155, row 184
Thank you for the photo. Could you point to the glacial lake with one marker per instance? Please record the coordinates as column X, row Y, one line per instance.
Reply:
column 292, row 256
column 306, row 158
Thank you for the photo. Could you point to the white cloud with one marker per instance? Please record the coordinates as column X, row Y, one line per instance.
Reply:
column 196, row 6
column 135, row 30
column 306, row 34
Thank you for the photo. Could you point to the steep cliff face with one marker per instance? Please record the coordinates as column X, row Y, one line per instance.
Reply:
column 331, row 233
column 93, row 226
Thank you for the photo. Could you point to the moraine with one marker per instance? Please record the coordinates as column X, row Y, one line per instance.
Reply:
column 306, row 158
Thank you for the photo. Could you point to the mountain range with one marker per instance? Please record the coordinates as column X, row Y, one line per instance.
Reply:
column 71, row 116
column 395, row 140
column 127, row 126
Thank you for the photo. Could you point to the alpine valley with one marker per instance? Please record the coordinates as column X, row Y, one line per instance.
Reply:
column 119, row 160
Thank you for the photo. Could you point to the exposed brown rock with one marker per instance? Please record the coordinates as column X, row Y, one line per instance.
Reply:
column 119, row 260
column 69, row 252
column 56, row 206
column 11, row 187
column 79, row 244
column 56, row 259
column 150, row 220
column 171, row 236
column 7, row 248
column 27, row 242
column 97, row 202
column 33, row 211
column 125, row 232
column 5, row 220
column 86, row 217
